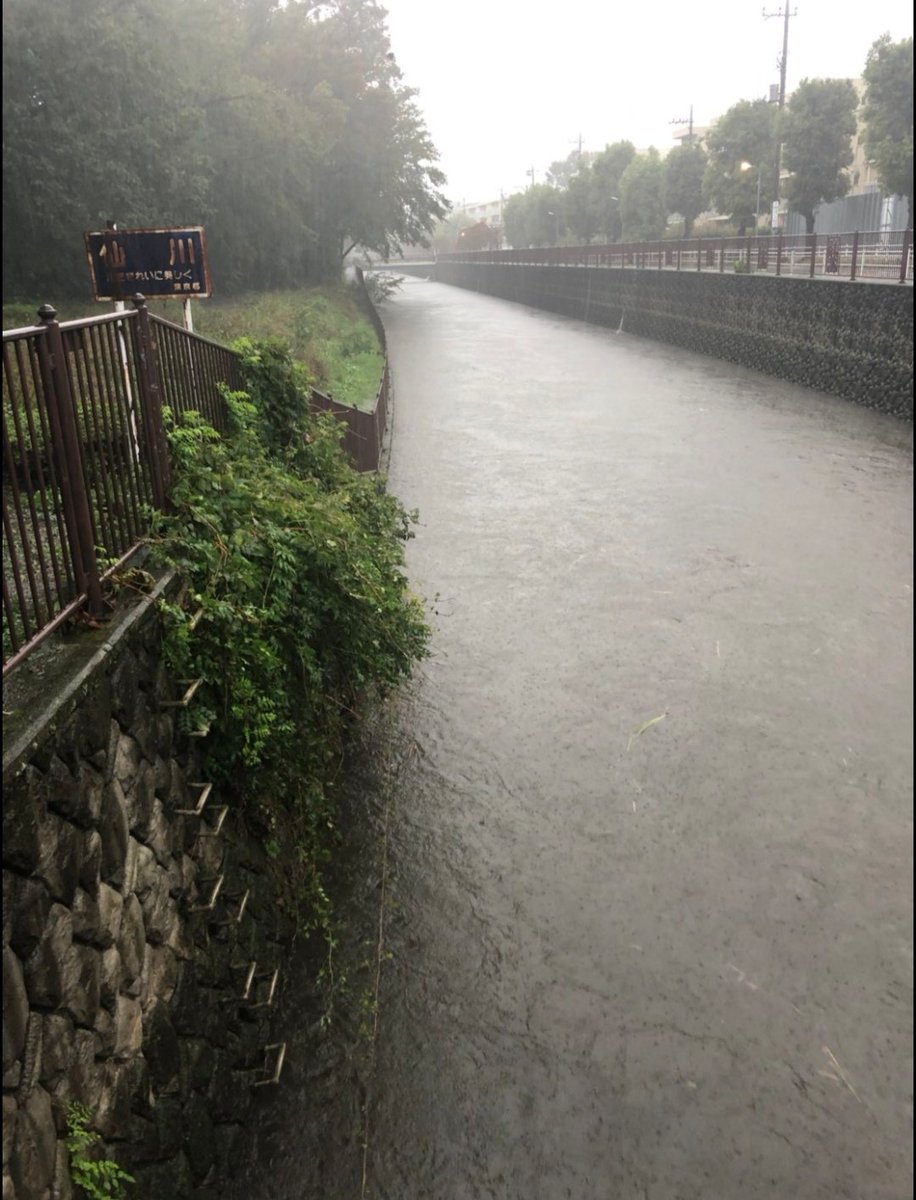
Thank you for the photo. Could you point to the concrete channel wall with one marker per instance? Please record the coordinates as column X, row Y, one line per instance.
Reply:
column 123, row 977
column 849, row 339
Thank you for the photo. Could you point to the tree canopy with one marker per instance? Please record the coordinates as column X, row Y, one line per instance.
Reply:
column 683, row 182
column 741, row 148
column 535, row 217
column 607, row 171
column 820, row 123
column 285, row 129
column 642, row 204
column 888, row 115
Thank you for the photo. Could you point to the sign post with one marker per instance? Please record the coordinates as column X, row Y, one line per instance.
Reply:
column 163, row 264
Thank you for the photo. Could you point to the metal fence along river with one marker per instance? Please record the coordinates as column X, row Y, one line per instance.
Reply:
column 86, row 457
column 877, row 257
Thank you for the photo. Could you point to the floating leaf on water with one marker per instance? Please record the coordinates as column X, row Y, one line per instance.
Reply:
column 647, row 724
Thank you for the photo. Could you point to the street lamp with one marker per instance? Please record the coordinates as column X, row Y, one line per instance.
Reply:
column 746, row 166
column 556, row 227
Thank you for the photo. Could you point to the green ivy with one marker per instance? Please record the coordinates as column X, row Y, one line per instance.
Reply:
column 295, row 567
column 99, row 1178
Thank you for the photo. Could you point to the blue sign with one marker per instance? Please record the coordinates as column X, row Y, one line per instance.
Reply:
column 161, row 263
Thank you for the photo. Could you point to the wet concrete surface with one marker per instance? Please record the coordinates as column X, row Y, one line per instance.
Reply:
column 633, row 961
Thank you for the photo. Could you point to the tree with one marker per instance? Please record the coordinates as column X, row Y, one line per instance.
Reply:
column 515, row 220
column 444, row 238
column 91, row 132
column 561, row 173
column 285, row 128
column 642, row 202
column 820, row 123
column 534, row 217
column 374, row 181
column 581, row 208
column 607, row 170
column 888, row 115
column 683, row 184
column 746, row 134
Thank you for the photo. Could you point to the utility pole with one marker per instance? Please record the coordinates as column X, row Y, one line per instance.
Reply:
column 578, row 145
column 785, row 14
column 530, row 174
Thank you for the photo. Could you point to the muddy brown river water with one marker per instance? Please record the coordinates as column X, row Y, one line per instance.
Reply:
column 641, row 828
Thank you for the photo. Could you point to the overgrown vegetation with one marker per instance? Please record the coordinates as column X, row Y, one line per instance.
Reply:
column 295, row 573
column 99, row 1178
column 324, row 328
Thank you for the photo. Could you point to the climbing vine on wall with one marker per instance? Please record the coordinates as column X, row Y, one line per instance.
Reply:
column 298, row 605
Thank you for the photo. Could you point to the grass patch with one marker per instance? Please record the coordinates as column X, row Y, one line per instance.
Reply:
column 325, row 329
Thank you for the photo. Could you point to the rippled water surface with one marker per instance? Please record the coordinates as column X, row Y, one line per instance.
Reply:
column 642, row 826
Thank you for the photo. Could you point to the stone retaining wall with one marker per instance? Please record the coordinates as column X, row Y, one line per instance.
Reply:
column 849, row 339
column 117, row 993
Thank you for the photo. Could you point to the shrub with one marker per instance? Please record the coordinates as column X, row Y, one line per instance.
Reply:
column 99, row 1178
column 296, row 563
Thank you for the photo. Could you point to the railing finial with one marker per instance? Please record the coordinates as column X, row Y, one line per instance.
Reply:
column 138, row 300
column 47, row 313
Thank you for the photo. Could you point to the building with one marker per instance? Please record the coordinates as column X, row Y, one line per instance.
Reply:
column 490, row 211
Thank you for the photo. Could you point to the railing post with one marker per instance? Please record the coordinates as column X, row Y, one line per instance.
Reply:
column 721, row 256
column 813, row 253
column 151, row 402
column 748, row 256
column 905, row 256
column 855, row 254
column 74, row 494
column 779, row 253
column 699, row 252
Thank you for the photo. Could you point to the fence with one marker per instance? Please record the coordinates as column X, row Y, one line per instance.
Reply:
column 879, row 257
column 85, row 453
column 365, row 430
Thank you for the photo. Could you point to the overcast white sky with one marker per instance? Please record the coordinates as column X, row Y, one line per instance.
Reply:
column 505, row 85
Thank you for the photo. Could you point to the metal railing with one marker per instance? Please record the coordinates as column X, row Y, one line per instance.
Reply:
column 877, row 257
column 85, row 453
column 365, row 430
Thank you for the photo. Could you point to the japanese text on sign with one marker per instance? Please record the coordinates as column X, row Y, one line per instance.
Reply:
column 157, row 262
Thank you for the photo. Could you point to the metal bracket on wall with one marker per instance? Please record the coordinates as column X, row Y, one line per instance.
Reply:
column 268, row 998
column 249, row 968
column 191, row 686
column 234, row 918
column 271, row 1072
column 211, row 903
column 215, row 829
column 206, row 789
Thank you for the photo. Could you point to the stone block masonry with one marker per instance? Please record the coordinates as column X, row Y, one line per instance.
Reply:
column 121, row 988
column 853, row 340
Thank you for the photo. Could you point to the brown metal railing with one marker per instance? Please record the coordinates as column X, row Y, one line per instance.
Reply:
column 85, row 453
column 85, row 458
column 365, row 430
column 865, row 256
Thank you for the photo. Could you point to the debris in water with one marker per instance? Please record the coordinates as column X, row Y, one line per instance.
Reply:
column 646, row 725
column 839, row 1070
